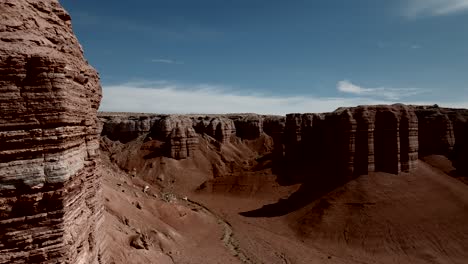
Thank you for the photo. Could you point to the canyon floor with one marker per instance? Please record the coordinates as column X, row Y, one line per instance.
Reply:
column 226, row 205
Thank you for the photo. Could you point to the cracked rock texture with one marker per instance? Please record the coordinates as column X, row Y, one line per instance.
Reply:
column 50, row 203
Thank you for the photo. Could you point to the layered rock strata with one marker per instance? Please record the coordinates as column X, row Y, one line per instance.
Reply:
column 444, row 131
column 349, row 141
column 126, row 128
column 50, row 201
column 248, row 126
column 179, row 135
column 220, row 128
column 354, row 141
column 436, row 134
column 274, row 126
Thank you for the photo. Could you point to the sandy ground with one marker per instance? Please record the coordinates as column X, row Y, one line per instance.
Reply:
column 173, row 229
column 241, row 214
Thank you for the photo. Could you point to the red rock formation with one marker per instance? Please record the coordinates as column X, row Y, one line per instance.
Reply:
column 459, row 155
column 354, row 141
column 304, row 139
column 436, row 132
column 346, row 141
column 409, row 134
column 274, row 127
column 248, row 126
column 386, row 138
column 349, row 141
column 179, row 135
column 387, row 141
column 50, row 203
column 364, row 158
column 220, row 128
column 392, row 133
column 125, row 127
column 444, row 131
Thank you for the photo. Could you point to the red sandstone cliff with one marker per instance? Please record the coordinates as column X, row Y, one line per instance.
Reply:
column 347, row 142
column 444, row 131
column 354, row 141
column 50, row 203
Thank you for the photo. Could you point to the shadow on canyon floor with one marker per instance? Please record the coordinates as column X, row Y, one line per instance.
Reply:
column 310, row 191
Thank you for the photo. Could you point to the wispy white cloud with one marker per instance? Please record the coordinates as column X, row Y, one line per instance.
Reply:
column 167, row 61
column 379, row 92
column 170, row 97
column 164, row 97
column 404, row 45
column 415, row 8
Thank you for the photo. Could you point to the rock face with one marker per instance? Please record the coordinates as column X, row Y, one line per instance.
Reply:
column 274, row 126
column 248, row 126
column 179, row 135
column 347, row 142
column 460, row 152
column 354, row 141
column 436, row 134
column 444, row 131
column 50, row 203
column 220, row 128
column 126, row 128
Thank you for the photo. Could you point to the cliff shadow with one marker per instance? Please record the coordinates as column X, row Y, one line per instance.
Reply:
column 155, row 154
column 313, row 188
column 155, row 148
column 386, row 142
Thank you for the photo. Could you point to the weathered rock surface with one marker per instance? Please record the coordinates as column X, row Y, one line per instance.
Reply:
column 444, row 131
column 220, row 128
column 179, row 135
column 248, row 126
column 50, row 203
column 460, row 152
column 436, row 134
column 354, row 141
column 349, row 141
column 274, row 126
column 127, row 127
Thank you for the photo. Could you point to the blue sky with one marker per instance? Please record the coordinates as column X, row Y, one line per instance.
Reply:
column 274, row 56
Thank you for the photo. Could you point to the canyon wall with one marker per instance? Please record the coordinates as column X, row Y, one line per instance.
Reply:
column 126, row 128
column 220, row 128
column 274, row 126
column 50, row 192
column 444, row 131
column 347, row 142
column 178, row 133
column 353, row 141
column 248, row 126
